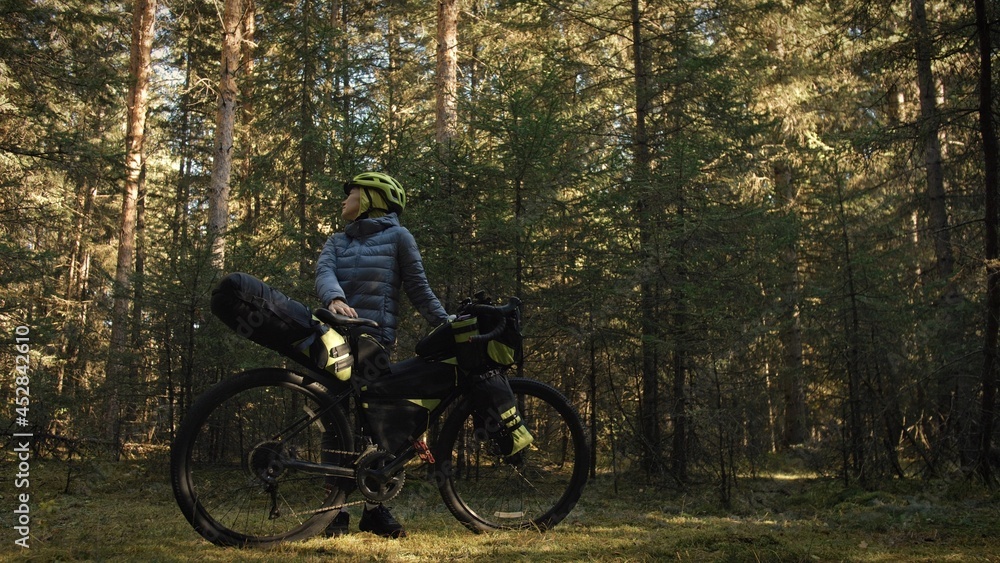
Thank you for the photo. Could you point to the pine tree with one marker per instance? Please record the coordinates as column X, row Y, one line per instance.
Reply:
column 122, row 374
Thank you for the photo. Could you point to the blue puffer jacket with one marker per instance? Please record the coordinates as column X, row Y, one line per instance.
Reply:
column 367, row 264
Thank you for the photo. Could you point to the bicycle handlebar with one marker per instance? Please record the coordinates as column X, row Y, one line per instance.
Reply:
column 499, row 313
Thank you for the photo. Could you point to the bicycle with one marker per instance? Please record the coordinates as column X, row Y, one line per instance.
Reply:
column 270, row 454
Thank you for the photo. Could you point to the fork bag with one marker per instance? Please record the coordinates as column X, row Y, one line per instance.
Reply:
column 496, row 411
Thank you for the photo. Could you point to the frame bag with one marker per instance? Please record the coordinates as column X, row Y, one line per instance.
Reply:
column 397, row 403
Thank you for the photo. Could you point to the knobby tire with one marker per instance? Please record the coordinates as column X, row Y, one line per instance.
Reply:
column 229, row 460
column 534, row 489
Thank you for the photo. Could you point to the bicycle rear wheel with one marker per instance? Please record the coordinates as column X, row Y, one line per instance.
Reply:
column 233, row 461
column 537, row 487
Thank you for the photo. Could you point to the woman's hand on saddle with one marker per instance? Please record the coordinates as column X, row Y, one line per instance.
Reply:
column 341, row 308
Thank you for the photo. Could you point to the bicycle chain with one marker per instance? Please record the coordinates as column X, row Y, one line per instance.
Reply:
column 343, row 452
column 337, row 507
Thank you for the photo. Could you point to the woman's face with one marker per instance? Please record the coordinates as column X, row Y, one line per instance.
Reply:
column 352, row 205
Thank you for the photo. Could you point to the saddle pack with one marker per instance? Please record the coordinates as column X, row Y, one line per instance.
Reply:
column 258, row 312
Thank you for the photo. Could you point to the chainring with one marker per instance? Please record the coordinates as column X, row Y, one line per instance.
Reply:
column 372, row 487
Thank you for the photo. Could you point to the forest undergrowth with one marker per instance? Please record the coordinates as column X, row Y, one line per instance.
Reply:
column 124, row 511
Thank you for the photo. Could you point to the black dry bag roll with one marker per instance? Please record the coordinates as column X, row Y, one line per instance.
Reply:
column 258, row 312
column 454, row 341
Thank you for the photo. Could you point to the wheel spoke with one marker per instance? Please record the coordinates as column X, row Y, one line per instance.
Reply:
column 234, row 464
column 535, row 489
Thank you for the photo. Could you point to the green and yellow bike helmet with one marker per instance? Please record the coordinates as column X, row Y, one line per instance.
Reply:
column 387, row 186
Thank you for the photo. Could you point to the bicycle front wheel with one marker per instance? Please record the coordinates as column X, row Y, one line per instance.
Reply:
column 240, row 463
column 537, row 487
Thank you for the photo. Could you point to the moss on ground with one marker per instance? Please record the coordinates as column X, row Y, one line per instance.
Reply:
column 126, row 512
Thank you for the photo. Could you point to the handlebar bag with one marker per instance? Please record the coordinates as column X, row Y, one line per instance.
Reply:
column 453, row 342
column 262, row 314
column 507, row 348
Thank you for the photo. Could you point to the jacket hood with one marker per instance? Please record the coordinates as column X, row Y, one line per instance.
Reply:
column 369, row 226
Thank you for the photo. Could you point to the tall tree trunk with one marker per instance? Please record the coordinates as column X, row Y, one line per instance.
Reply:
column 446, row 121
column 392, row 128
column 930, row 125
column 446, row 115
column 987, row 129
column 953, row 395
column 794, row 429
column 307, row 144
column 344, row 78
column 119, row 365
column 173, row 321
column 76, row 283
column 222, row 164
column 251, row 206
column 855, row 426
column 678, row 329
column 140, row 264
column 186, row 150
column 649, row 423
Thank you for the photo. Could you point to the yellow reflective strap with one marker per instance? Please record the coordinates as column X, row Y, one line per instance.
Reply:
column 334, row 342
column 519, row 434
column 521, row 438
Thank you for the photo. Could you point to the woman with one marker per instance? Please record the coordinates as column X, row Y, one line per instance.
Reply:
column 360, row 274
column 361, row 270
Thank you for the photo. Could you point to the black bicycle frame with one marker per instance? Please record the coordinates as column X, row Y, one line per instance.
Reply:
column 382, row 475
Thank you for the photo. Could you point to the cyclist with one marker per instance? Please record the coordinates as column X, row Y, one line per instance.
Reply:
column 360, row 274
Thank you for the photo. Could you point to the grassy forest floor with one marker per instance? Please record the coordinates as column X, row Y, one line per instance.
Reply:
column 126, row 512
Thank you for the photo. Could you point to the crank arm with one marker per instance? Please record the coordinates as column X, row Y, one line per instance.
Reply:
column 389, row 472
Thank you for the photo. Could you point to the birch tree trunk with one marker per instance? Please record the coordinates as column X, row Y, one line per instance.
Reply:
column 251, row 206
column 222, row 164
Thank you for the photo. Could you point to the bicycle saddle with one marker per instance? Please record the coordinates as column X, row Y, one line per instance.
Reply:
column 334, row 319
